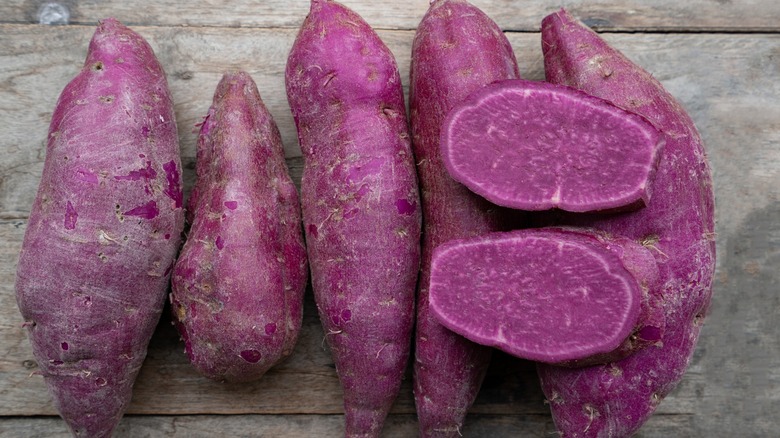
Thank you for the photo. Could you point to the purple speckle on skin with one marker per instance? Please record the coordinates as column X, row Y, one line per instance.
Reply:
column 231, row 204
column 405, row 207
column 173, row 190
column 57, row 362
column 220, row 242
column 146, row 211
column 65, row 346
column 145, row 131
column 650, row 333
column 270, row 328
column 251, row 356
column 146, row 173
column 141, row 155
column 70, row 216
column 89, row 177
column 100, row 381
column 346, row 315
column 313, row 231
column 167, row 236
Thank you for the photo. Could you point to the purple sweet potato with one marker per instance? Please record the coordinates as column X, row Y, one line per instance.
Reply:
column 457, row 49
column 551, row 295
column 614, row 400
column 103, row 231
column 238, row 284
column 536, row 146
column 360, row 204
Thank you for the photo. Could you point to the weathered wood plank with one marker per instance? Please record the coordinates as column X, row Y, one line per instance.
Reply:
column 745, row 15
column 289, row 426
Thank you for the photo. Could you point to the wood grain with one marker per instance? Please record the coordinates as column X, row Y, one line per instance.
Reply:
column 660, row 15
column 239, row 426
column 729, row 83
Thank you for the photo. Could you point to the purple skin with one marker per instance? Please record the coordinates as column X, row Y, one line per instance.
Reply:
column 239, row 282
column 360, row 204
column 552, row 147
column 551, row 295
column 614, row 400
column 103, row 231
column 457, row 49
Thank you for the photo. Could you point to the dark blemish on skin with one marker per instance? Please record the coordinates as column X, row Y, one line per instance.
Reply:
column 270, row 328
column 220, row 243
column 146, row 211
column 232, row 205
column 251, row 356
column 70, row 216
column 167, row 236
column 650, row 333
column 64, row 346
column 56, row 362
column 106, row 99
column 405, row 207
column 173, row 189
column 100, row 381
column 98, row 66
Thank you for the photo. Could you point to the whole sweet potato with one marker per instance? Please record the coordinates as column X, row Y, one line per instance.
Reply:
column 457, row 49
column 614, row 400
column 360, row 204
column 103, row 231
column 238, row 284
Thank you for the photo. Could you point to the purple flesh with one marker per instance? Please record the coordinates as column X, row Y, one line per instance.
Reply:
column 536, row 146
column 544, row 295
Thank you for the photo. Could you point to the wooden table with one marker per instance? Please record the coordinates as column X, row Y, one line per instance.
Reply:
column 721, row 59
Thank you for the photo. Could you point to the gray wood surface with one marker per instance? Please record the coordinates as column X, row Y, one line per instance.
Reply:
column 730, row 83
column 710, row 15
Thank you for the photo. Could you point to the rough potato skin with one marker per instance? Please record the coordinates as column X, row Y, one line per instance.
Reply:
column 457, row 49
column 614, row 400
column 238, row 284
column 103, row 231
column 360, row 202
